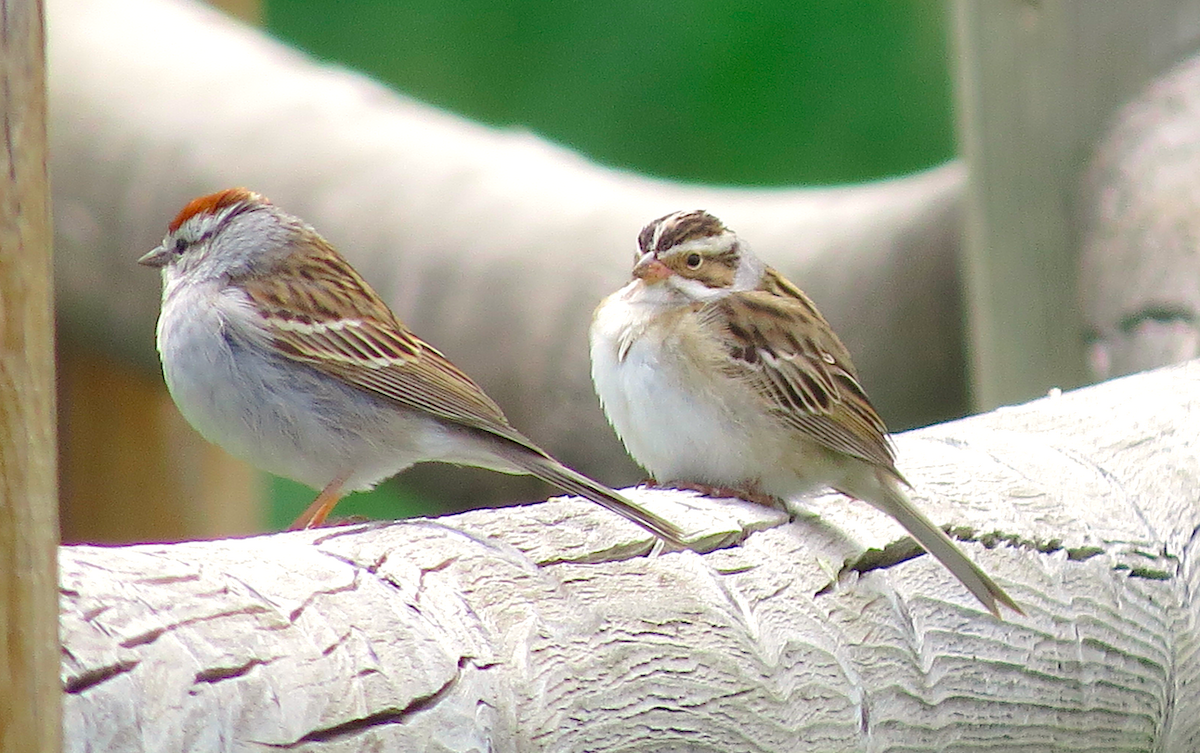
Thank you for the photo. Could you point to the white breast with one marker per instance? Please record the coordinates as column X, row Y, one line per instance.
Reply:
column 281, row 417
column 661, row 404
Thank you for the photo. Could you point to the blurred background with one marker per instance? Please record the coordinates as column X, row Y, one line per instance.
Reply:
column 711, row 92
column 781, row 93
column 943, row 177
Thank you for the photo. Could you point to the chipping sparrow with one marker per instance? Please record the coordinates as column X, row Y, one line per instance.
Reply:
column 714, row 369
column 276, row 349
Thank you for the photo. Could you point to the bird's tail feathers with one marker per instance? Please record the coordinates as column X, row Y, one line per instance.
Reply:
column 892, row 500
column 555, row 473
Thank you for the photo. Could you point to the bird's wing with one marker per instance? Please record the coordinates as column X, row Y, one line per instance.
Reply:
column 342, row 328
column 780, row 346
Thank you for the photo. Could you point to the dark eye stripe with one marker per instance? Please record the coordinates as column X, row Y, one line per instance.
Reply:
column 725, row 260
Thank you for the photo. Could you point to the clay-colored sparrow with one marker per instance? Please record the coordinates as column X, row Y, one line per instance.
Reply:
column 276, row 349
column 714, row 369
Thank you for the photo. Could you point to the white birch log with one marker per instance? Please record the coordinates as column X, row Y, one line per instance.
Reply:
column 493, row 244
column 548, row 628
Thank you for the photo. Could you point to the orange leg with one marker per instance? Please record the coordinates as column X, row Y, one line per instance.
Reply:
column 318, row 511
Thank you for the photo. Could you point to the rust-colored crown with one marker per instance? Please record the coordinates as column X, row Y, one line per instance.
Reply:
column 214, row 203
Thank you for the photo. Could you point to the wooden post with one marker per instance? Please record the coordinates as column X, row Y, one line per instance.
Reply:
column 132, row 469
column 30, row 700
column 1036, row 82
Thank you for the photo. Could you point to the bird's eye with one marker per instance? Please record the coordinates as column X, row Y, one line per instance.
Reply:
column 693, row 261
column 181, row 245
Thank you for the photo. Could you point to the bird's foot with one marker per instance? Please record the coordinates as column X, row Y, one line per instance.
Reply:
column 318, row 511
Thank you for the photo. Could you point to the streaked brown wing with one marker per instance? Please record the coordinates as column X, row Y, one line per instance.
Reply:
column 784, row 349
column 340, row 326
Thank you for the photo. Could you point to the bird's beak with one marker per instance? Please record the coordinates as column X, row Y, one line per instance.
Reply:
column 650, row 270
column 156, row 258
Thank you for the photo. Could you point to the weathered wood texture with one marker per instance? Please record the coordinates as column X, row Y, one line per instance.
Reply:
column 1036, row 84
column 1140, row 228
column 493, row 244
column 29, row 698
column 546, row 628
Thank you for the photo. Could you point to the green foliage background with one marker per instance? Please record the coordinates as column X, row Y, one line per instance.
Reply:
column 775, row 93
